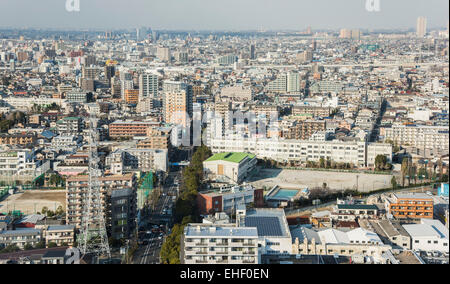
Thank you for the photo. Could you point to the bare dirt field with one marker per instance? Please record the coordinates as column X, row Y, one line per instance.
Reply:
column 30, row 202
column 298, row 179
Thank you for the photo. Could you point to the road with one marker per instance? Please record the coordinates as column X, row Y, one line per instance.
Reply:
column 158, row 222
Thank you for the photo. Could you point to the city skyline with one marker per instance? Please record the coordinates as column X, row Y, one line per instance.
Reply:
column 207, row 15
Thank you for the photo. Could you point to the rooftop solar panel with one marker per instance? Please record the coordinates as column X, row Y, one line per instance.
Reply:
column 267, row 226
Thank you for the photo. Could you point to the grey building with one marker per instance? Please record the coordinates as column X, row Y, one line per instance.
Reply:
column 123, row 213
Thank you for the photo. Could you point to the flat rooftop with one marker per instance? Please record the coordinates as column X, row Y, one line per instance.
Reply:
column 413, row 196
column 230, row 157
column 269, row 222
column 200, row 230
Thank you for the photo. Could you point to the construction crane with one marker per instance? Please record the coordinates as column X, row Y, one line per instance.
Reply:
column 93, row 235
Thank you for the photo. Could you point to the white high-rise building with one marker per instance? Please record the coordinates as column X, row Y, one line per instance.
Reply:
column 421, row 30
column 148, row 86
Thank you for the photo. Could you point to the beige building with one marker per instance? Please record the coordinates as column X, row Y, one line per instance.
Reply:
column 77, row 186
column 234, row 166
column 331, row 242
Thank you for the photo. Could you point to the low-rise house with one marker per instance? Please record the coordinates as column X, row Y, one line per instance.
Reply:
column 20, row 238
column 351, row 212
column 336, row 242
column 61, row 235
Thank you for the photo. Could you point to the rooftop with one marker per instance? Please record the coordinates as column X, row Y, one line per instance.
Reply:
column 427, row 228
column 230, row 157
column 357, row 207
column 200, row 230
column 269, row 222
column 413, row 196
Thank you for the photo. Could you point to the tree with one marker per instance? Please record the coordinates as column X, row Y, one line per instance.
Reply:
column 380, row 162
column 405, row 169
column 44, row 210
column 59, row 211
column 394, row 183
column 28, row 247
column 52, row 245
column 10, row 248
column 322, row 163
column 40, row 245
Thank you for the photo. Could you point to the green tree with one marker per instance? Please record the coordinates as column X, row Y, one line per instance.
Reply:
column 394, row 183
column 404, row 169
column 28, row 247
column 380, row 162
column 322, row 163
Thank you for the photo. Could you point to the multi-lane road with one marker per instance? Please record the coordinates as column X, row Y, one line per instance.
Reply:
column 157, row 225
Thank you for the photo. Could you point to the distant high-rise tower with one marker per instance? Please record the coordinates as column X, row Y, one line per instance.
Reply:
column 421, row 30
column 252, row 52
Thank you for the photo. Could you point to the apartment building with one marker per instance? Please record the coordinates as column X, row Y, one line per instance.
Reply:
column 123, row 213
column 20, row 238
column 311, row 110
column 219, row 244
column 157, row 138
column 77, row 97
column 285, row 150
column 419, row 136
column 77, row 187
column 121, row 128
column 177, row 107
column 133, row 159
column 236, row 94
column 410, row 206
column 62, row 235
column 148, row 86
column 285, row 83
column 69, row 126
column 131, row 96
column 18, row 139
column 303, row 130
column 266, row 110
column 17, row 162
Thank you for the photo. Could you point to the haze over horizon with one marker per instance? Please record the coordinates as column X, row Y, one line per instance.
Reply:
column 219, row 15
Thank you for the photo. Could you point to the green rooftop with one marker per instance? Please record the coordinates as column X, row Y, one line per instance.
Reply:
column 357, row 207
column 230, row 157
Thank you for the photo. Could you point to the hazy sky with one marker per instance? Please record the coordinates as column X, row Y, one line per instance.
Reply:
column 221, row 14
